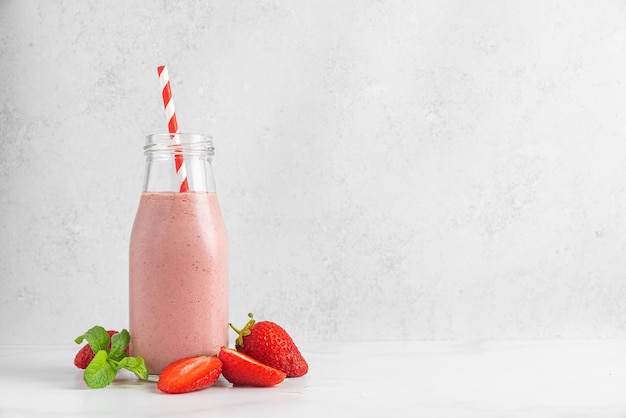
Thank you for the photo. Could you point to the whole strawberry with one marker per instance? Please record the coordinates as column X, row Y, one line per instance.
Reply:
column 269, row 343
column 86, row 354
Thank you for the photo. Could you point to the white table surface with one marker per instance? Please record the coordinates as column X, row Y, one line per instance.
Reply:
column 391, row 379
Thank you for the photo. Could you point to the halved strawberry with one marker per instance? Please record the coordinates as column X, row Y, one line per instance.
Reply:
column 189, row 374
column 242, row 370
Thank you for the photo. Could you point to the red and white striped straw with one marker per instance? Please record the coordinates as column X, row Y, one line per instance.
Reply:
column 172, row 126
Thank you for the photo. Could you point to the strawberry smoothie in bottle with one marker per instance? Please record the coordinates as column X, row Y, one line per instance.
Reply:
column 178, row 282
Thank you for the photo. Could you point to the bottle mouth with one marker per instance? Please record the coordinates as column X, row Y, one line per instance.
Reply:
column 179, row 142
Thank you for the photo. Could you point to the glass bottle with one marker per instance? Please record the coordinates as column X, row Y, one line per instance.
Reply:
column 178, row 259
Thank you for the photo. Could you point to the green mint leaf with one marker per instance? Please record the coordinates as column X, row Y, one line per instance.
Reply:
column 119, row 342
column 136, row 365
column 97, row 337
column 100, row 372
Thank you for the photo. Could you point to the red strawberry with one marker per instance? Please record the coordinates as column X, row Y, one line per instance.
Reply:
column 84, row 357
column 86, row 354
column 189, row 374
column 242, row 370
column 270, row 344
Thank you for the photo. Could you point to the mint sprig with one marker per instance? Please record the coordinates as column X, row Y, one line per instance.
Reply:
column 97, row 337
column 102, row 370
column 119, row 342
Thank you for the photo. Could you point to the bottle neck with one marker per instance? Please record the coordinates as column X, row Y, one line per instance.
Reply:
column 178, row 163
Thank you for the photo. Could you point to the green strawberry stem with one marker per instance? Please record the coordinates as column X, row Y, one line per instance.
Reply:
column 244, row 331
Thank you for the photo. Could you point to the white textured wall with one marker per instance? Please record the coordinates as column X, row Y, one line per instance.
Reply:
column 387, row 169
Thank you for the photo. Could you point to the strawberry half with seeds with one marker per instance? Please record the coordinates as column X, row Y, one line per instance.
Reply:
column 242, row 370
column 189, row 374
column 270, row 344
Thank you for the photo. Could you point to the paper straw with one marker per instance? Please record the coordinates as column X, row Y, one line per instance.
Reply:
column 172, row 126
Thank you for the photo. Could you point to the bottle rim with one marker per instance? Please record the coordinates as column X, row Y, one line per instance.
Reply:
column 179, row 141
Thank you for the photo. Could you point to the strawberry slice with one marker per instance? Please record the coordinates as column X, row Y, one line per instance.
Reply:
column 242, row 370
column 189, row 374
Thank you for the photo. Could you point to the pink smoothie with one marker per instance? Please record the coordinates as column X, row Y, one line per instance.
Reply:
column 178, row 278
